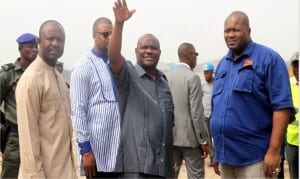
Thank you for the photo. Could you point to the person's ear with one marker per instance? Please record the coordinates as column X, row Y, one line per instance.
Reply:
column 20, row 47
column 39, row 41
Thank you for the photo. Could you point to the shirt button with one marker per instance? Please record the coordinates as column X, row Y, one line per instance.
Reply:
column 163, row 144
column 162, row 160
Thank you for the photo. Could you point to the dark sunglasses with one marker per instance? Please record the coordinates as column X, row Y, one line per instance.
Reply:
column 104, row 34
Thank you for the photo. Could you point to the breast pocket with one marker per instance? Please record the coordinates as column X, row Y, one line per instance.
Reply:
column 108, row 92
column 55, row 108
column 244, row 80
column 51, row 102
column 104, row 86
column 219, row 83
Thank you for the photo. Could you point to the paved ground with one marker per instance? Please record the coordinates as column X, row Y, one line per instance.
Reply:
column 209, row 171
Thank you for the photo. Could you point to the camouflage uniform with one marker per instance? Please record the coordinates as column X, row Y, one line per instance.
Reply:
column 9, row 76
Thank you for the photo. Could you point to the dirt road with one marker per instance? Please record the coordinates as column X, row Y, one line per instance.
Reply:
column 209, row 171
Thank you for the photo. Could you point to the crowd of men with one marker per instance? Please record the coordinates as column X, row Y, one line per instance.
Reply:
column 134, row 121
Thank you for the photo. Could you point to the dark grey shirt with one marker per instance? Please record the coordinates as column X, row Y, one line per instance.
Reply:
column 147, row 119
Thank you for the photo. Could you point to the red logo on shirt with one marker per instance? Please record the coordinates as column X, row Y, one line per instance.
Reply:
column 248, row 63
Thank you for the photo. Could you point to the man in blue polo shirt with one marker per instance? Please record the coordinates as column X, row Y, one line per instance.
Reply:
column 250, row 105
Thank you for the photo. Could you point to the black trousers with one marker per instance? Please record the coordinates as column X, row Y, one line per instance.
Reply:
column 292, row 156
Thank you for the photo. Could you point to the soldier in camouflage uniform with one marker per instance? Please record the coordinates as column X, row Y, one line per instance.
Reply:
column 9, row 76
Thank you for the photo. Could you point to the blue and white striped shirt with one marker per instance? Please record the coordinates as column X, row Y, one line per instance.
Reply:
column 95, row 111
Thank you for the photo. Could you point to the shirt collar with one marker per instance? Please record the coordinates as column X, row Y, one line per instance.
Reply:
column 293, row 80
column 41, row 62
column 246, row 53
column 99, row 55
column 184, row 65
column 141, row 72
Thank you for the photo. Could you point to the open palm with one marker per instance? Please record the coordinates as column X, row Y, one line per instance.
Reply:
column 121, row 11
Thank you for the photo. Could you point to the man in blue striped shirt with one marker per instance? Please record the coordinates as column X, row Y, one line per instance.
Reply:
column 95, row 112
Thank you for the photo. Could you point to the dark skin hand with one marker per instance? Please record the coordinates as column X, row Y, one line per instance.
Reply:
column 89, row 164
column 216, row 168
column 205, row 151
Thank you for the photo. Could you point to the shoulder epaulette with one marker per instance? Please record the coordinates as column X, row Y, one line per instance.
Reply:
column 8, row 66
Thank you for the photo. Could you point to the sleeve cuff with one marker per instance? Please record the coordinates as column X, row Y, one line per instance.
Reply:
column 203, row 143
column 85, row 147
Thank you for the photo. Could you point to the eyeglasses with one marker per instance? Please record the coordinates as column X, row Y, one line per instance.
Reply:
column 104, row 34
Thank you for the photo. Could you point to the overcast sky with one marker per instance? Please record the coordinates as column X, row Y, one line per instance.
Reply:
column 274, row 23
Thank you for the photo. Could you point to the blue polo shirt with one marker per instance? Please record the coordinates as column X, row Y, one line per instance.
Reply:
column 245, row 94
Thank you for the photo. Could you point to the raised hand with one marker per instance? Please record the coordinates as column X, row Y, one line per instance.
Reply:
column 121, row 11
